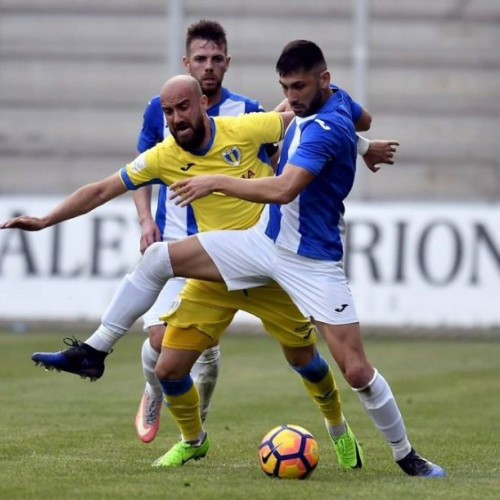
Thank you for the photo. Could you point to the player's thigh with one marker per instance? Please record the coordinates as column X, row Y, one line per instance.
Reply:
column 319, row 288
column 244, row 258
column 204, row 306
column 279, row 315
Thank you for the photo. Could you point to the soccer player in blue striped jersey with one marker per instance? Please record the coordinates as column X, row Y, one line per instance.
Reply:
column 297, row 241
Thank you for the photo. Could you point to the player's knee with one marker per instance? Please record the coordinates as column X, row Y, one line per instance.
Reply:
column 155, row 262
column 299, row 356
column 314, row 369
column 169, row 372
column 156, row 336
column 357, row 373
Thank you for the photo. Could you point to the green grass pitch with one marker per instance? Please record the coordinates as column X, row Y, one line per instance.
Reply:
column 66, row 438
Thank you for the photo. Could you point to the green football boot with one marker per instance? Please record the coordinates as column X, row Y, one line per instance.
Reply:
column 181, row 453
column 349, row 452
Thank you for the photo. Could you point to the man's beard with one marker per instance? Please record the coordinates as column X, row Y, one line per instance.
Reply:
column 315, row 105
column 211, row 91
column 194, row 142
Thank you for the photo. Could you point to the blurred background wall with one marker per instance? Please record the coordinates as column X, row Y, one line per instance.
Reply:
column 75, row 76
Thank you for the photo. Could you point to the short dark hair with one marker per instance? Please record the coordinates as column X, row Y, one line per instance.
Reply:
column 300, row 55
column 206, row 30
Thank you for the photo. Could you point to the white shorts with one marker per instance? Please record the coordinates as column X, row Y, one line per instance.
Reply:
column 248, row 258
column 163, row 303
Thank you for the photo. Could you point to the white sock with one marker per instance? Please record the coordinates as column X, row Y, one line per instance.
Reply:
column 204, row 373
column 379, row 402
column 198, row 441
column 135, row 295
column 103, row 338
column 149, row 359
column 336, row 430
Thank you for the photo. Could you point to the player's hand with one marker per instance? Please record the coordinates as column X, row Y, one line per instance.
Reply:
column 188, row 190
column 25, row 222
column 150, row 233
column 380, row 152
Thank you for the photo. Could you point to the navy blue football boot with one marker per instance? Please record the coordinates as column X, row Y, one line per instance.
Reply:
column 79, row 358
column 415, row 465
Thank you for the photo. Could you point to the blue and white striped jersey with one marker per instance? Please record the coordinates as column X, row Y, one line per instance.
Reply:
column 173, row 221
column 325, row 145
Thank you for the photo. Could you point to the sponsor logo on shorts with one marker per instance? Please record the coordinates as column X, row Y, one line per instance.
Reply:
column 306, row 330
column 341, row 308
column 308, row 334
column 173, row 306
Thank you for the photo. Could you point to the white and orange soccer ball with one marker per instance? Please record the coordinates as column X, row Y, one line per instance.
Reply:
column 288, row 452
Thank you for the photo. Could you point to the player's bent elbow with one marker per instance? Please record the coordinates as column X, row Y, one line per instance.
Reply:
column 284, row 197
column 364, row 122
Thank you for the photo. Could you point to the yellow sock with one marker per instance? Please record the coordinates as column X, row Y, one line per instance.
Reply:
column 185, row 408
column 326, row 395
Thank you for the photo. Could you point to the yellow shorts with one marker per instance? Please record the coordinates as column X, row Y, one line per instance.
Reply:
column 210, row 308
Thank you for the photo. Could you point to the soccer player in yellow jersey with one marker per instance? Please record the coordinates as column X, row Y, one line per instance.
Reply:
column 200, row 144
column 206, row 59
column 231, row 149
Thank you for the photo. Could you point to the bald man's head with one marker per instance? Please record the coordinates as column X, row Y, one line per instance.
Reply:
column 184, row 106
column 181, row 84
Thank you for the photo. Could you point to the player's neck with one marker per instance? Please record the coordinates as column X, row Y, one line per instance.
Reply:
column 208, row 134
column 214, row 99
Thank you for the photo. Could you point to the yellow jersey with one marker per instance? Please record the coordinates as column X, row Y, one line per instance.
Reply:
column 232, row 150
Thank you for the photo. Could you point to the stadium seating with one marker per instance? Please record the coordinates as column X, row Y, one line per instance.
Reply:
column 75, row 77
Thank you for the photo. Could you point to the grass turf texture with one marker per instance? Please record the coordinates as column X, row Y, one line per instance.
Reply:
column 66, row 438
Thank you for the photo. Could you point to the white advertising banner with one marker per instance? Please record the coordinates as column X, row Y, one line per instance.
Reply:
column 409, row 264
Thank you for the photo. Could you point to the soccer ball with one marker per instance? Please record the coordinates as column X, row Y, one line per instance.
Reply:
column 288, row 452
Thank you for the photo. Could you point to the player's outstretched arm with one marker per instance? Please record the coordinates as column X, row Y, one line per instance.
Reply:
column 80, row 202
column 281, row 189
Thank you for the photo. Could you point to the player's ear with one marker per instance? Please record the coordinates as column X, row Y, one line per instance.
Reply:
column 185, row 61
column 204, row 101
column 325, row 79
column 228, row 61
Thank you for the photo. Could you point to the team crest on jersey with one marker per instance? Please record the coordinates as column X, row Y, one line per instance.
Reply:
column 232, row 156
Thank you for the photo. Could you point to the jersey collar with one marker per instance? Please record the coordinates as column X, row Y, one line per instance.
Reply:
column 202, row 152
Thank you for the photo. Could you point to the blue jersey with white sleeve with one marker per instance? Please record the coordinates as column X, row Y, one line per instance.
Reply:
column 325, row 145
column 173, row 221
